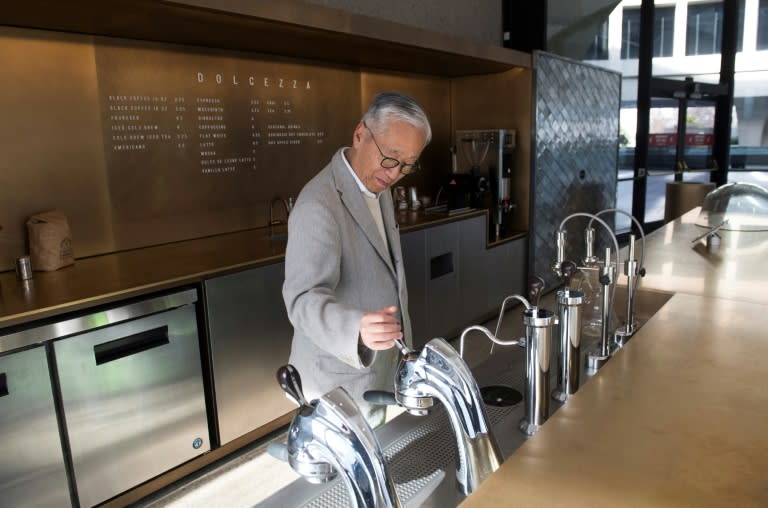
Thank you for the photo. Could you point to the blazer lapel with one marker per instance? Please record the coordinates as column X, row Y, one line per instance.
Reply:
column 354, row 201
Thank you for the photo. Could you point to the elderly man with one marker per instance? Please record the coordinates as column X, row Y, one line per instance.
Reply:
column 344, row 284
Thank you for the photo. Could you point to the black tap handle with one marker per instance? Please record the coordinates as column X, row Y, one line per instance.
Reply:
column 290, row 381
column 535, row 287
column 567, row 269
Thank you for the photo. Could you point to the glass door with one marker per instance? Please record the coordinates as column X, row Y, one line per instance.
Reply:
column 680, row 139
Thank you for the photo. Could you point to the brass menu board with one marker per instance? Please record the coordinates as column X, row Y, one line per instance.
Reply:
column 198, row 142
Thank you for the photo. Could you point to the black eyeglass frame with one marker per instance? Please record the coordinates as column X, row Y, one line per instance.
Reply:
column 391, row 162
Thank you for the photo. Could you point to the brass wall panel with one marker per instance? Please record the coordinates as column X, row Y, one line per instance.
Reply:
column 198, row 142
column 95, row 127
column 50, row 140
column 433, row 94
column 500, row 101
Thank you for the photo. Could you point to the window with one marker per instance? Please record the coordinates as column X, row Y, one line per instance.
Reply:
column 762, row 25
column 704, row 34
column 663, row 31
column 630, row 34
column 705, row 29
column 598, row 50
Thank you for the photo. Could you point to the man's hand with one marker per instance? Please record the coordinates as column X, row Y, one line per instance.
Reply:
column 379, row 329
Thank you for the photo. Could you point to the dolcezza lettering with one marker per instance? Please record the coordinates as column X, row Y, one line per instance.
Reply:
column 264, row 82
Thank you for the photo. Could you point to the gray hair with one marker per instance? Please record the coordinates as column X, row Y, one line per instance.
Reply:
column 388, row 105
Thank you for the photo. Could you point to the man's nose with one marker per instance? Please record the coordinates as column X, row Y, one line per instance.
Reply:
column 393, row 173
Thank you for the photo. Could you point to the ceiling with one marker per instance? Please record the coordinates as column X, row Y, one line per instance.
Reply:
column 572, row 24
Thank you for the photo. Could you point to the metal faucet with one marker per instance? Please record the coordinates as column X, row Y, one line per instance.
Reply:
column 606, row 277
column 438, row 372
column 538, row 344
column 287, row 206
column 634, row 271
column 329, row 436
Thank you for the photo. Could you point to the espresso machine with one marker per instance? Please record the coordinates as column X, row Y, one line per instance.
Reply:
column 482, row 174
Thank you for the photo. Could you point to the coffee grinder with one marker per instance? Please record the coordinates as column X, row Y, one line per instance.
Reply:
column 484, row 173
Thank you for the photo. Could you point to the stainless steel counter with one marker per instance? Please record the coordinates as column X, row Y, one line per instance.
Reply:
column 123, row 275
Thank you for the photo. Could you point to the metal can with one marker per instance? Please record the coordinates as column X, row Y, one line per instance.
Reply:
column 23, row 268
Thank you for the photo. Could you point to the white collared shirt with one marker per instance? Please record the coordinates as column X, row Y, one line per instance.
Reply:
column 371, row 199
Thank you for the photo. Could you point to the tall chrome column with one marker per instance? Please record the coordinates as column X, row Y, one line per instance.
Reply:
column 597, row 359
column 624, row 333
column 569, row 303
column 538, row 346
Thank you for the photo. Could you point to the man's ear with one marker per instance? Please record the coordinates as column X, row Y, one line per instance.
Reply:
column 357, row 136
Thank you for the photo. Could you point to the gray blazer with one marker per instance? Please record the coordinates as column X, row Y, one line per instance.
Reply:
column 336, row 269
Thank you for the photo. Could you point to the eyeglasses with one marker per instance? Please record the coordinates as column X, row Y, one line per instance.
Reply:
column 391, row 162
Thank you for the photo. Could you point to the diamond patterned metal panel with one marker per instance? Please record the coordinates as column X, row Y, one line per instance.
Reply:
column 575, row 155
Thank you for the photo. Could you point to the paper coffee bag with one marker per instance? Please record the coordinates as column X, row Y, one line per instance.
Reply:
column 50, row 242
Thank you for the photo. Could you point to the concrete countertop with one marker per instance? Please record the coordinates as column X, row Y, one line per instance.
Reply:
column 109, row 278
column 678, row 417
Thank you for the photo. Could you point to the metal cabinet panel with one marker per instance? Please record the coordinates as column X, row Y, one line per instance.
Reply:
column 250, row 337
column 488, row 275
column 32, row 470
column 475, row 269
column 505, row 275
column 133, row 401
column 443, row 279
column 414, row 247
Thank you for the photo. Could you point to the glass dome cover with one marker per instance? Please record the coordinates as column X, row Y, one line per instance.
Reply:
column 743, row 205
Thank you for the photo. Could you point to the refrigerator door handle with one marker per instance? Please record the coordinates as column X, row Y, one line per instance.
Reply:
column 3, row 384
column 130, row 345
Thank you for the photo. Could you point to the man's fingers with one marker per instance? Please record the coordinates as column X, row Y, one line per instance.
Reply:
column 380, row 329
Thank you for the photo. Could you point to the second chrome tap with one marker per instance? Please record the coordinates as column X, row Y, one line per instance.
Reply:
column 438, row 372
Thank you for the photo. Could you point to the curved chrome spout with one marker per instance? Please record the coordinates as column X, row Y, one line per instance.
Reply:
column 561, row 229
column 637, row 223
column 633, row 271
column 438, row 372
column 329, row 436
column 606, row 275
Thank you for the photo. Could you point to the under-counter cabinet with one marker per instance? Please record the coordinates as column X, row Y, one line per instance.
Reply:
column 32, row 471
column 250, row 337
column 431, row 259
column 454, row 279
column 132, row 393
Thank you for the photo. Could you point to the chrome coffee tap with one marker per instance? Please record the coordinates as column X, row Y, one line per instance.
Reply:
column 605, row 272
column 633, row 270
column 569, row 303
column 538, row 345
column 438, row 372
column 329, row 436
